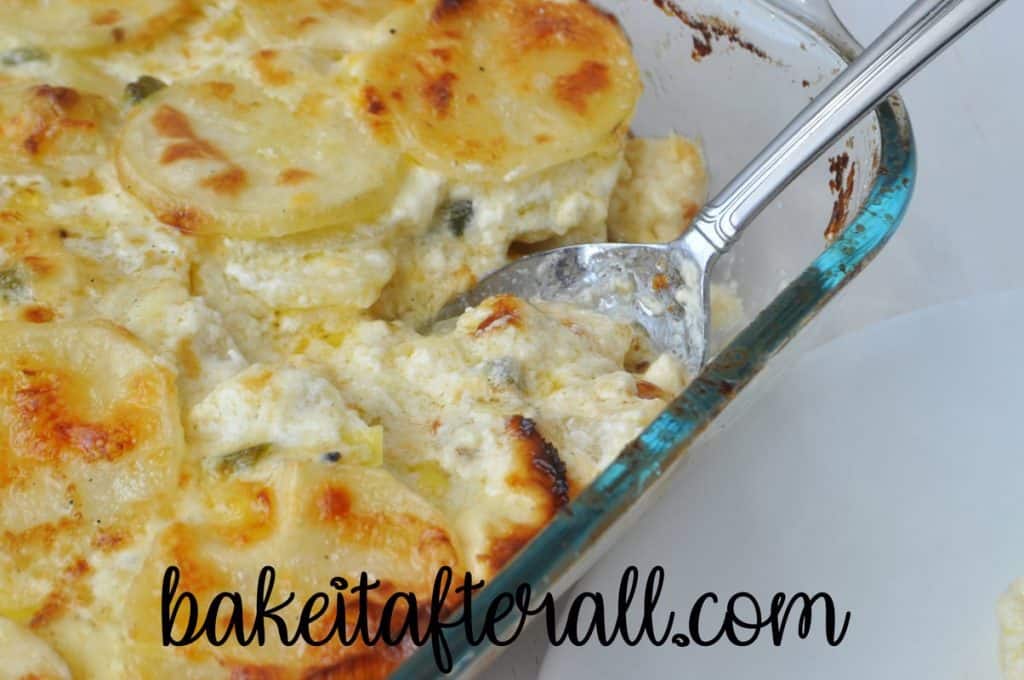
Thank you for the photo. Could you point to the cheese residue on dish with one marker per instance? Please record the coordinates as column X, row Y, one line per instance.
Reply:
column 222, row 225
column 1011, row 621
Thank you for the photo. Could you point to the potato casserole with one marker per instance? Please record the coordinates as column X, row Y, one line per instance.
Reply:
column 224, row 227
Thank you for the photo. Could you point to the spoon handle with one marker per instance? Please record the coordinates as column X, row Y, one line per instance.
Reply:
column 914, row 39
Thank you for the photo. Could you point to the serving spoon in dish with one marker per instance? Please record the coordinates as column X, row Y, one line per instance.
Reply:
column 665, row 288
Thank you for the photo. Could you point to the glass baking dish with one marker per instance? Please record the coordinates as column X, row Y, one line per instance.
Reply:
column 731, row 74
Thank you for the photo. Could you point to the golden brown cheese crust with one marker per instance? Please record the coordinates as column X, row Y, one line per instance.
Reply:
column 331, row 520
column 89, row 451
column 50, row 128
column 540, row 473
column 463, row 90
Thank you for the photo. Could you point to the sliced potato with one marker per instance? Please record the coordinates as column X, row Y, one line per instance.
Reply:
column 485, row 89
column 342, row 24
column 220, row 156
column 315, row 523
column 84, row 24
column 90, row 443
column 52, row 129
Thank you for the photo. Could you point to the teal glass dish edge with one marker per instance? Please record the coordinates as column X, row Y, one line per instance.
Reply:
column 652, row 456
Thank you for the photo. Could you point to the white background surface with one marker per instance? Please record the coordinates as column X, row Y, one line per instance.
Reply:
column 916, row 523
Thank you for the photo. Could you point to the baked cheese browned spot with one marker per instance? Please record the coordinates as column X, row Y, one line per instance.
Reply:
column 504, row 311
column 540, row 472
column 247, row 511
column 545, row 468
column 220, row 89
column 105, row 17
column 230, row 181
column 648, row 390
column 439, row 92
column 58, row 101
column 90, row 442
column 270, row 71
column 444, row 9
column 576, row 88
column 332, row 521
column 38, row 314
column 45, row 426
column 220, row 155
column 53, row 129
column 186, row 220
column 375, row 105
column 334, row 503
column 294, row 176
column 472, row 86
column 171, row 123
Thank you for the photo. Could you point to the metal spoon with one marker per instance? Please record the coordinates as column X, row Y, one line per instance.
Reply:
column 665, row 288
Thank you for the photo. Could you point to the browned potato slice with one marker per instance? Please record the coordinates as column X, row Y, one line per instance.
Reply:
column 90, row 443
column 221, row 156
column 485, row 89
column 52, row 129
column 313, row 522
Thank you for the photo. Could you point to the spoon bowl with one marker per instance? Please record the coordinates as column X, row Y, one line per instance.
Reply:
column 663, row 288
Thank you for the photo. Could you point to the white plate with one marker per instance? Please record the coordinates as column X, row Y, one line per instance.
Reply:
column 887, row 469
